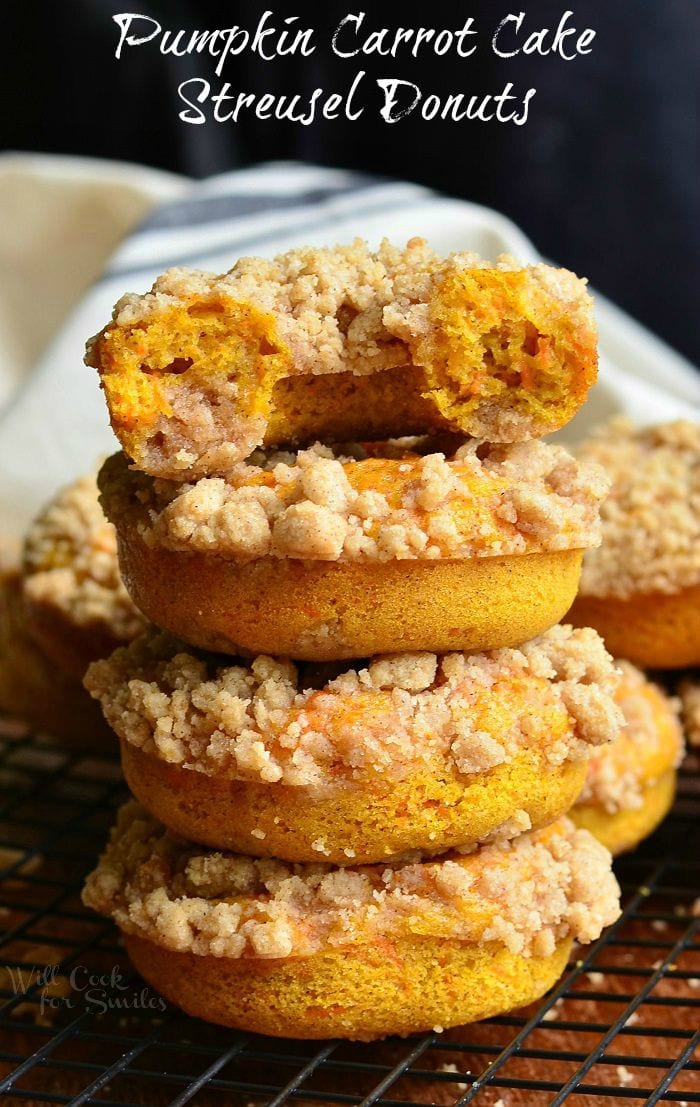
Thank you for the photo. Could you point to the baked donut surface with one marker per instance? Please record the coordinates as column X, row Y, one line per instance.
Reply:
column 405, row 752
column 631, row 782
column 363, row 993
column 293, row 950
column 336, row 343
column 324, row 555
column 641, row 587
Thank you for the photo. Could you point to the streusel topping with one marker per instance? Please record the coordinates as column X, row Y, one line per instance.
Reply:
column 312, row 290
column 70, row 563
column 651, row 519
column 269, row 721
column 191, row 369
column 527, row 894
column 649, row 745
column 318, row 504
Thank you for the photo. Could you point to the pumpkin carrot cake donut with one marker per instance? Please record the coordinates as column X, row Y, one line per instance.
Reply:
column 76, row 606
column 309, row 951
column 358, row 764
column 341, row 343
column 64, row 607
column 322, row 555
column 641, row 588
column 33, row 689
column 631, row 781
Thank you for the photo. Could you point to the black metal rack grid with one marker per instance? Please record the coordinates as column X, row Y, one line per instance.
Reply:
column 624, row 1022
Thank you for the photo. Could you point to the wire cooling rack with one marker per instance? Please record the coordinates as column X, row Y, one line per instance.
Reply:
column 76, row 1025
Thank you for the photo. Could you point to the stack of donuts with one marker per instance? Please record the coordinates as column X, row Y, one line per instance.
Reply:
column 356, row 725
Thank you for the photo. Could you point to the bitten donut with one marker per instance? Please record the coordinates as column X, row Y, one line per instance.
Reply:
column 410, row 752
column 631, row 782
column 641, row 588
column 309, row 951
column 63, row 608
column 321, row 556
column 341, row 343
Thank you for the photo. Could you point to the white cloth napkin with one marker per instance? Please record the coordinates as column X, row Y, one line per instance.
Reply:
column 55, row 426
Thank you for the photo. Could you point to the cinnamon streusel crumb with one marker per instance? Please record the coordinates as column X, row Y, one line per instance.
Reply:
column 651, row 519
column 527, row 894
column 269, row 721
column 649, row 744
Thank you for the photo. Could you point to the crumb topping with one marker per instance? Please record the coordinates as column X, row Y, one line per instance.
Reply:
column 651, row 519
column 690, row 700
column 370, row 505
column 649, row 744
column 504, row 352
column 527, row 894
column 271, row 721
column 70, row 563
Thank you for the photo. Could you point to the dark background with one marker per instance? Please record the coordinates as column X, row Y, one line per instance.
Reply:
column 603, row 177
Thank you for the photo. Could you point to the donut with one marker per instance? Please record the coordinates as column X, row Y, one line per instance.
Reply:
column 641, row 588
column 35, row 691
column 77, row 608
column 63, row 607
column 355, row 765
column 339, row 343
column 321, row 555
column 631, row 782
column 312, row 951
